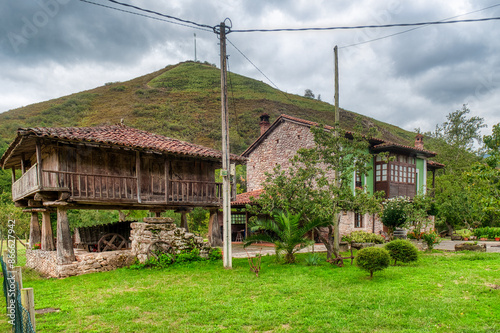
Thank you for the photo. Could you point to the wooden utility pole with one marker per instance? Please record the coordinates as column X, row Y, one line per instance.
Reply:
column 336, row 231
column 226, row 186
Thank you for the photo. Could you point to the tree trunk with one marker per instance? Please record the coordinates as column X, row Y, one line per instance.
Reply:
column 327, row 241
column 450, row 228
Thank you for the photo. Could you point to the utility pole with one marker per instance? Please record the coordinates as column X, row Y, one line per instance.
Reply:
column 226, row 185
column 336, row 231
column 195, row 59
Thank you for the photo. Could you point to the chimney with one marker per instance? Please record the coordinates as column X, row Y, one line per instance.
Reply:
column 264, row 123
column 419, row 141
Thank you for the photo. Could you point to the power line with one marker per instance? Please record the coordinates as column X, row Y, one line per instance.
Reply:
column 408, row 30
column 148, row 16
column 368, row 26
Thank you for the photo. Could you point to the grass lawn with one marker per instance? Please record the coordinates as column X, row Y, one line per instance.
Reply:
column 442, row 292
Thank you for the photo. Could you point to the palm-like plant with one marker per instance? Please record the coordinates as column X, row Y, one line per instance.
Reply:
column 285, row 230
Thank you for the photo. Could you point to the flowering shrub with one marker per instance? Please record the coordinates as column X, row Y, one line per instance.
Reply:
column 431, row 239
column 361, row 236
column 395, row 212
column 415, row 235
column 37, row 246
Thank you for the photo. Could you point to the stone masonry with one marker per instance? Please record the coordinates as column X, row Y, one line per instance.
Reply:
column 45, row 262
column 143, row 234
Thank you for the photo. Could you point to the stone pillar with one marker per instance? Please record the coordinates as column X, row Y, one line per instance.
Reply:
column 65, row 254
column 34, row 229
column 47, row 235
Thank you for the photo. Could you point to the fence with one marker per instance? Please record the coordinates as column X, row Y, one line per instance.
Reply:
column 17, row 314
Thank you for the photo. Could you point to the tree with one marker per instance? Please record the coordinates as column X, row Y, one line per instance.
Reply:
column 308, row 93
column 308, row 188
column 287, row 231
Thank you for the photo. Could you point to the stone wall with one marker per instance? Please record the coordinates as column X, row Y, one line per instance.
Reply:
column 346, row 225
column 45, row 262
column 153, row 229
column 277, row 148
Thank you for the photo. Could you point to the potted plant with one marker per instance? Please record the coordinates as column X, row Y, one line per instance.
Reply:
column 483, row 237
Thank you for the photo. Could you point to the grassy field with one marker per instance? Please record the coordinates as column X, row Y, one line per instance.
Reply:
column 442, row 292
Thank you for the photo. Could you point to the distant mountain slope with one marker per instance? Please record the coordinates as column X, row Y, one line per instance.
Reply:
column 183, row 101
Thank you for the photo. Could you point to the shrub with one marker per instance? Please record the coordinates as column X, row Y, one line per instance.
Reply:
column 372, row 259
column 402, row 250
column 464, row 232
column 490, row 232
column 363, row 237
column 431, row 239
column 394, row 214
column 312, row 259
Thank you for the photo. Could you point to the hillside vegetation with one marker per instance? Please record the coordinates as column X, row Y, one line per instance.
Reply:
column 183, row 101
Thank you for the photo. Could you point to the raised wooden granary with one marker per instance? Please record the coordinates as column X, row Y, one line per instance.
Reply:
column 108, row 167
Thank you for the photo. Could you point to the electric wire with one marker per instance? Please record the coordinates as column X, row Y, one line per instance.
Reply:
column 408, row 30
column 147, row 16
column 368, row 26
column 163, row 15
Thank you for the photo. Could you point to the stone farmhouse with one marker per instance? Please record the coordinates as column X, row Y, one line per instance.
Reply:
column 406, row 175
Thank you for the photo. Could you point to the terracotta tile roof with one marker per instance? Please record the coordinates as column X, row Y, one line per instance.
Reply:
column 244, row 198
column 125, row 136
column 435, row 165
column 389, row 144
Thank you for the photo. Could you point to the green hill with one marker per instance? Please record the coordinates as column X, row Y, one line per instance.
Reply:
column 183, row 101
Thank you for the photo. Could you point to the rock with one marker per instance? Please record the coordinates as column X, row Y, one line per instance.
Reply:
column 470, row 247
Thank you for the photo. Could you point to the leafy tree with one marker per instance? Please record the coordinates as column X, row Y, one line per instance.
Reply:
column 287, row 231
column 308, row 93
column 309, row 188
column 11, row 212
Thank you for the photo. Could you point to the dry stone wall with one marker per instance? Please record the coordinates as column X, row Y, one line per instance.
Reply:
column 154, row 229
column 45, row 262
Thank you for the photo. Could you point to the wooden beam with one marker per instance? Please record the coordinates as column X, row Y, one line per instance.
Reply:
column 65, row 254
column 13, row 175
column 138, row 175
column 39, row 162
column 184, row 222
column 23, row 168
column 34, row 229
column 47, row 235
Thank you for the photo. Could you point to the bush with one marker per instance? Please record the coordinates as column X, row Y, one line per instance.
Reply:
column 490, row 232
column 402, row 250
column 464, row 233
column 394, row 214
column 312, row 259
column 372, row 259
column 363, row 237
column 431, row 239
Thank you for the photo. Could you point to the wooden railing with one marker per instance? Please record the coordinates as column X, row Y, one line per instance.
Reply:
column 92, row 186
column 27, row 184
column 191, row 191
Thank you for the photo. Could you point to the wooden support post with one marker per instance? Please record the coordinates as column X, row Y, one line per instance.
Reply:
column 184, row 221
column 65, row 254
column 34, row 229
column 13, row 175
column 23, row 167
column 18, row 276
column 138, row 175
column 28, row 302
column 39, row 162
column 47, row 235
column 214, row 236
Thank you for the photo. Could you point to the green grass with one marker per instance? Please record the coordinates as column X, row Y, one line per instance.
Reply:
column 439, row 293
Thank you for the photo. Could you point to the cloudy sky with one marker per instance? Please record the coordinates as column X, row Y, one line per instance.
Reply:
column 51, row 48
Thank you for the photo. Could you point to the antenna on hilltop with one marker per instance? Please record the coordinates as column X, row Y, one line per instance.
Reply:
column 195, row 59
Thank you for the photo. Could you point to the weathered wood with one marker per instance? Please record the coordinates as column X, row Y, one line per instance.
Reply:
column 184, row 222
column 47, row 241
column 214, row 235
column 13, row 175
column 18, row 276
column 28, row 302
column 138, row 175
column 65, row 254
column 23, row 167
column 39, row 162
column 34, row 229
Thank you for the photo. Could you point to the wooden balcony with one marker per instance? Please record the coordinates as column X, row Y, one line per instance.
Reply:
column 107, row 189
column 27, row 185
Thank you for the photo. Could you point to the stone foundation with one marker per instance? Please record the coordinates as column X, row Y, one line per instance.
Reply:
column 45, row 262
column 153, row 229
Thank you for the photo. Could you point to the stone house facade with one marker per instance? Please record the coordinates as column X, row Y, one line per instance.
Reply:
column 281, row 140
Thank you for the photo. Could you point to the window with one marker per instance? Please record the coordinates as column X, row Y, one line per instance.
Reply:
column 238, row 218
column 402, row 170
column 358, row 180
column 358, row 220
